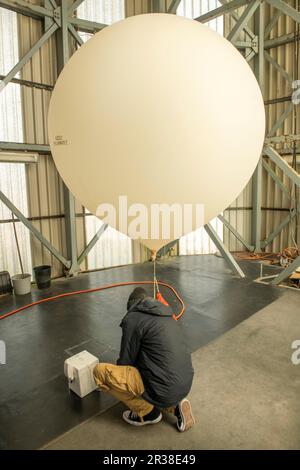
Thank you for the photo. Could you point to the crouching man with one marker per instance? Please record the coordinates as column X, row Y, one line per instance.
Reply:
column 154, row 370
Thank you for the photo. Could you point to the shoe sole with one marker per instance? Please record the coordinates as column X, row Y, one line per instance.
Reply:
column 143, row 423
column 186, row 415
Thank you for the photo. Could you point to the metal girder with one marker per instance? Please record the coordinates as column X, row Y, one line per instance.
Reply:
column 226, row 8
column 15, row 146
column 280, row 227
column 256, row 206
column 33, row 230
column 62, row 41
column 272, row 23
column 285, row 8
column 86, row 26
column 74, row 6
column 236, row 233
column 278, row 67
column 249, row 56
column 158, row 6
column 276, row 178
column 28, row 56
column 243, row 20
column 259, row 20
column 75, row 34
column 173, row 6
column 282, row 139
column 223, row 250
column 287, row 272
column 246, row 28
column 27, row 9
column 281, row 40
column 92, row 243
column 283, row 165
column 281, row 119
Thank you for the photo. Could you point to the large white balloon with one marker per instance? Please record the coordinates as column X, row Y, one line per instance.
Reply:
column 160, row 109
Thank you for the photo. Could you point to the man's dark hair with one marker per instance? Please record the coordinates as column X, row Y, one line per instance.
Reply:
column 137, row 294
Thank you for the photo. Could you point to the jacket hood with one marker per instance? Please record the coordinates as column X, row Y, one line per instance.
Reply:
column 152, row 307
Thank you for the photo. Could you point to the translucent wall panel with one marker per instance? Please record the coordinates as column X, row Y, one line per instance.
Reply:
column 12, row 175
column 198, row 242
column 102, row 11
column 113, row 248
column 194, row 8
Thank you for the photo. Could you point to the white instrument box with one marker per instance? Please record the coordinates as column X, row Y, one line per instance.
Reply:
column 79, row 371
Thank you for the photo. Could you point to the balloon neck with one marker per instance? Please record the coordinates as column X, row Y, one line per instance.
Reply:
column 153, row 255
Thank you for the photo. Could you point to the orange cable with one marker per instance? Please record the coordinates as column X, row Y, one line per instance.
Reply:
column 109, row 286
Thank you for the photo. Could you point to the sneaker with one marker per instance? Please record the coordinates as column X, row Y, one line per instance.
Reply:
column 184, row 415
column 153, row 417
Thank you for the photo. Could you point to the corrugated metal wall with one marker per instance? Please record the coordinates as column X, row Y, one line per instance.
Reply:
column 275, row 205
column 45, row 189
column 45, row 197
column 276, row 202
column 12, row 175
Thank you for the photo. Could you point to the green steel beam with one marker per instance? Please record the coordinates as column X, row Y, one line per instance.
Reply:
column 18, row 147
column 281, row 40
column 279, row 228
column 282, row 139
column 259, row 20
column 159, row 6
column 278, row 67
column 247, row 30
column 33, row 230
column 173, row 6
column 285, row 8
column 243, row 20
column 281, row 119
column 226, row 8
column 28, row 56
column 272, row 23
column 31, row 84
column 223, row 250
column 86, row 26
column 74, row 6
column 236, row 233
column 287, row 272
column 27, row 9
column 75, row 34
column 92, row 243
column 62, row 41
column 276, row 178
column 283, row 165
column 249, row 56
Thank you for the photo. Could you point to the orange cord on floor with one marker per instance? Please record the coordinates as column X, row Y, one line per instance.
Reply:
column 96, row 289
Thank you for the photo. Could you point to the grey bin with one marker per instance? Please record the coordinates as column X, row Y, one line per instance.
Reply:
column 21, row 283
column 42, row 276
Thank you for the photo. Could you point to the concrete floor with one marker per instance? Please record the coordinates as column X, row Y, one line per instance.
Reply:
column 39, row 339
column 246, row 393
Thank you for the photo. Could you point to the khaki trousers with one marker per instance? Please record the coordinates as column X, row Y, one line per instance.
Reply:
column 124, row 383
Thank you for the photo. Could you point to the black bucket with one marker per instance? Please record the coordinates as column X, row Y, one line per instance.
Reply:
column 42, row 276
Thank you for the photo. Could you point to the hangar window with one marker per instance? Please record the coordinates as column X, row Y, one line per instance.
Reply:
column 102, row 11
column 113, row 248
column 198, row 242
column 194, row 8
column 12, row 175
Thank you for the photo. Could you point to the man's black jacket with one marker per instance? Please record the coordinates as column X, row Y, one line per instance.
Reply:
column 154, row 343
